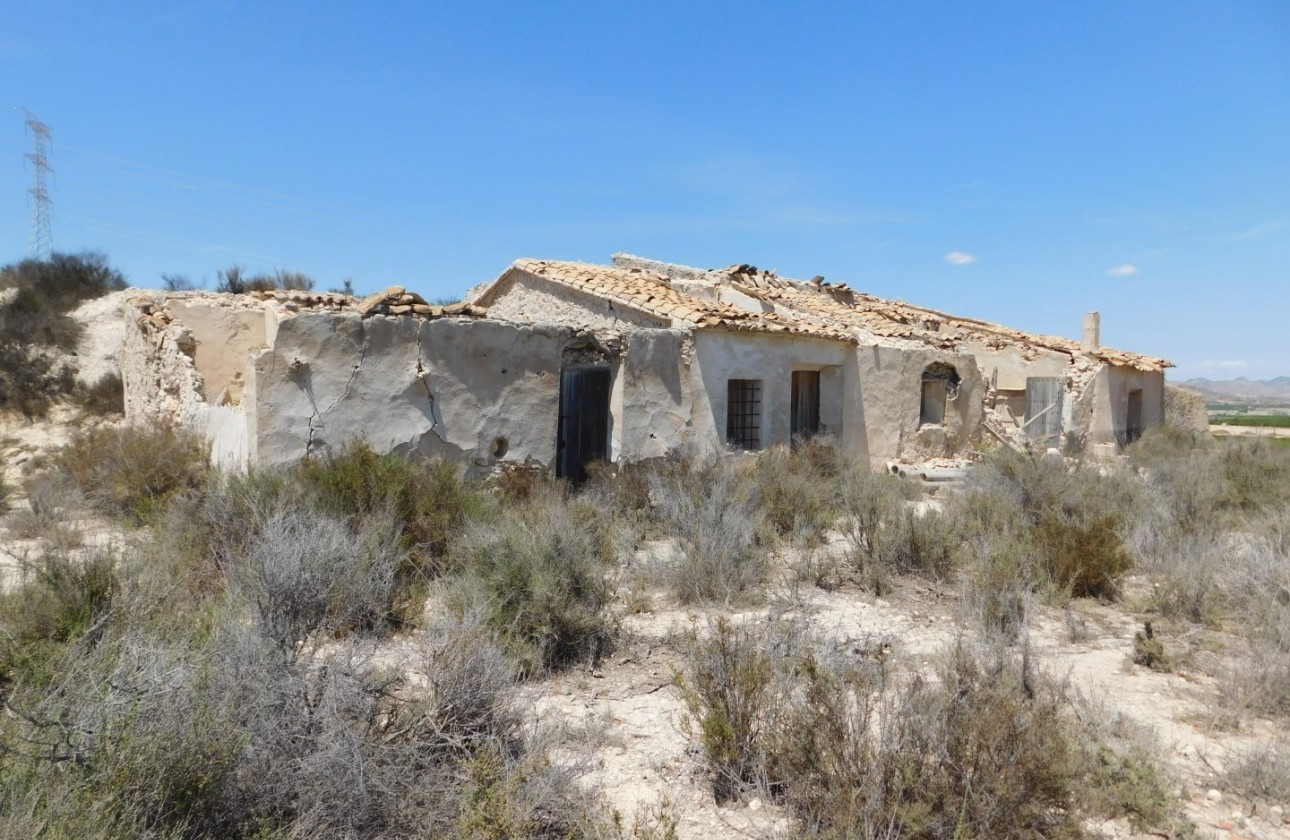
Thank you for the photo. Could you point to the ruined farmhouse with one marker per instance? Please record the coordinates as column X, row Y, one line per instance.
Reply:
column 560, row 364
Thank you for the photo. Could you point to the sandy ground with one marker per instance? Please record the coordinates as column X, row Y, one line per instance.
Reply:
column 646, row 757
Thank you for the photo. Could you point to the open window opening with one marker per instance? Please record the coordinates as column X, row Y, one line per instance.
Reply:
column 743, row 413
column 940, row 385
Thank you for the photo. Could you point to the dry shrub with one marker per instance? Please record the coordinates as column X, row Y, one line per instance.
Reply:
column 735, row 686
column 133, row 473
column 428, row 497
column 623, row 489
column 62, row 601
column 715, row 518
column 1191, row 572
column 1066, row 520
column 522, row 483
column 35, row 325
column 983, row 751
column 205, row 732
column 1256, row 472
column 795, row 488
column 999, row 589
column 30, row 379
column 1207, row 484
column 541, row 579
column 1131, row 784
column 104, row 397
column 1261, row 681
column 305, row 573
column 1262, row 772
column 51, row 503
column 886, row 536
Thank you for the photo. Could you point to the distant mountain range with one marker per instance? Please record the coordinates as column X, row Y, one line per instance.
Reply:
column 1241, row 390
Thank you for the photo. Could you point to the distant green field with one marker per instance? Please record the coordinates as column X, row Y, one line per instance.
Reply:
column 1277, row 421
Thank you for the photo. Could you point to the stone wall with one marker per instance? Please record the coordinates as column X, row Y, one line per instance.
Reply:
column 1186, row 409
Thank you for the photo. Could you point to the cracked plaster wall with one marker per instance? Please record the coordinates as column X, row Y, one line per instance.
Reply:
column 657, row 403
column 451, row 387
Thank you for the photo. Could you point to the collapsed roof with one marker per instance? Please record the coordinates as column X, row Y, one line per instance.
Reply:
column 693, row 297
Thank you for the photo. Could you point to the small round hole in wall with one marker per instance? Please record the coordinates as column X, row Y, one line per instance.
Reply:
column 500, row 447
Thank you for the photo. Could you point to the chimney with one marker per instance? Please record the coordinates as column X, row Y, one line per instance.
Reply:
column 1092, row 338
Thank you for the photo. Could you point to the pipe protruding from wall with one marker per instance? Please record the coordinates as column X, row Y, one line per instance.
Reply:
column 1092, row 338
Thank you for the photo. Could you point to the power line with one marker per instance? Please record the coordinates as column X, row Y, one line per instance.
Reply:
column 42, row 238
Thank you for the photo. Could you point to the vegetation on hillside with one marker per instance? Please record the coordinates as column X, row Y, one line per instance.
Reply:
column 36, row 329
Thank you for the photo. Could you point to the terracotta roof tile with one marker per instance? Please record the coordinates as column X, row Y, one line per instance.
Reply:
column 653, row 294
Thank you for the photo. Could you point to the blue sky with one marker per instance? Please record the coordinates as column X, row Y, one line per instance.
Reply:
column 1020, row 162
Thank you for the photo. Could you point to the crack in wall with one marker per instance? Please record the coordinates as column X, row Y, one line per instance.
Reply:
column 362, row 356
column 309, row 442
column 422, row 373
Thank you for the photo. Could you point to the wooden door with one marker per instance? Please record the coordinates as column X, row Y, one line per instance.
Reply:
column 1044, row 408
column 805, row 403
column 583, row 434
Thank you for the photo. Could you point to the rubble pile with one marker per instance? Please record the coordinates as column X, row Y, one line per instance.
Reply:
column 397, row 300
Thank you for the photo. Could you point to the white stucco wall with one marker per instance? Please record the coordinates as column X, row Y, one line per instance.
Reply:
column 1102, row 410
column 448, row 387
column 657, row 386
column 721, row 356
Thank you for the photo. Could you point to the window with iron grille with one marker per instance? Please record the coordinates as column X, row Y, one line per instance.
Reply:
column 743, row 413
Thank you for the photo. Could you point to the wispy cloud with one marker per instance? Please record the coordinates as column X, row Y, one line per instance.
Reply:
column 1122, row 270
column 960, row 258
column 1225, row 364
column 1256, row 232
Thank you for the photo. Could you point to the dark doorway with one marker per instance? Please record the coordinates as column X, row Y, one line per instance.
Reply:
column 805, row 403
column 583, row 435
column 1133, row 417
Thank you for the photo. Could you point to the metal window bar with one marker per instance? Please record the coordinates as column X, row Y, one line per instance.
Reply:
column 743, row 413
